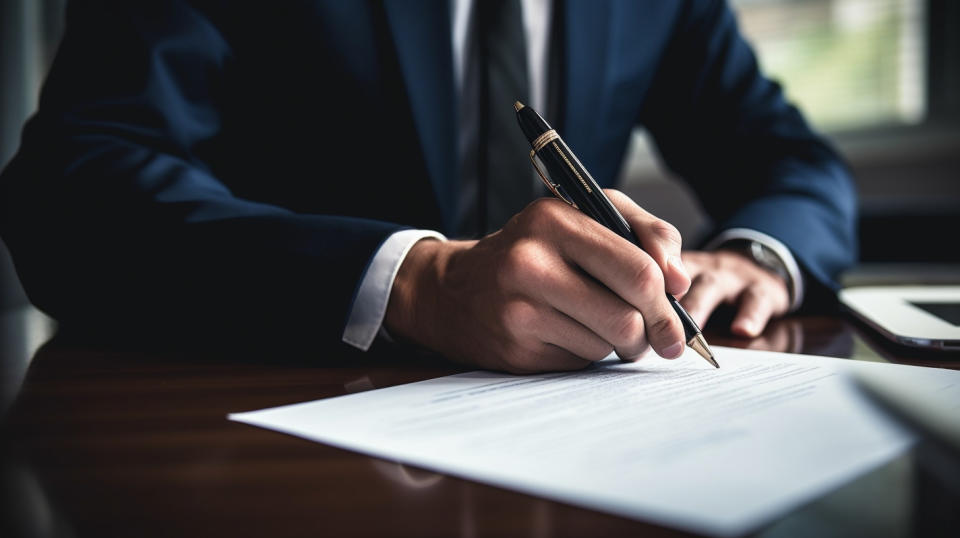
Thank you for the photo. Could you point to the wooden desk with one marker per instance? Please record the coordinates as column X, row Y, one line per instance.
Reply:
column 121, row 443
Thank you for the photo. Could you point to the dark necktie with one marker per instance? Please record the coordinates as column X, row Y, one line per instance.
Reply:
column 504, row 172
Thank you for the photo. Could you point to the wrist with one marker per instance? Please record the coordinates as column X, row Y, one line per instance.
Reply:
column 416, row 273
column 763, row 257
column 415, row 298
column 795, row 278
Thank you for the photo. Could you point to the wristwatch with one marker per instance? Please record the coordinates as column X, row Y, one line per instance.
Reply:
column 763, row 256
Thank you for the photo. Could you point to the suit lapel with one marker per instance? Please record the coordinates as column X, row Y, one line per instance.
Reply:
column 421, row 35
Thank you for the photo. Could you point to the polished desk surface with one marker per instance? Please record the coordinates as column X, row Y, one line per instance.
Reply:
column 134, row 443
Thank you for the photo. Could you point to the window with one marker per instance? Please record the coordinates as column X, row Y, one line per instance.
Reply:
column 848, row 64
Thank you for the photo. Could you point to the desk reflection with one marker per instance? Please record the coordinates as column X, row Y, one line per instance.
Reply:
column 811, row 336
column 104, row 442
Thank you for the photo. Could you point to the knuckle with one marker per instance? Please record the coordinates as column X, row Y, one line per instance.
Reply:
column 756, row 293
column 538, row 273
column 648, row 278
column 628, row 329
column 642, row 271
column 667, row 232
column 528, row 264
column 706, row 279
column 518, row 315
column 734, row 262
column 695, row 261
column 565, row 225
column 665, row 329
column 515, row 262
column 544, row 213
column 544, row 203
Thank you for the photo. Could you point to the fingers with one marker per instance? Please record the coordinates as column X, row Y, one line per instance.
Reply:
column 545, row 339
column 753, row 313
column 757, row 305
column 634, row 277
column 566, row 333
column 643, row 313
column 725, row 277
column 659, row 239
column 596, row 309
column 708, row 290
column 627, row 271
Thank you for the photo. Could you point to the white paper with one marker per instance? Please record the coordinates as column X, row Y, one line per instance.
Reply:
column 677, row 443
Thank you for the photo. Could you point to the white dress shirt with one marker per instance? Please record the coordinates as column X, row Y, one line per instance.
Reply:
column 365, row 321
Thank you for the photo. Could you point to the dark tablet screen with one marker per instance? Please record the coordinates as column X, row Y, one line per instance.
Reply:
column 949, row 312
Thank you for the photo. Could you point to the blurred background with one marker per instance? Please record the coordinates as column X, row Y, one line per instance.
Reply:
column 881, row 78
column 29, row 33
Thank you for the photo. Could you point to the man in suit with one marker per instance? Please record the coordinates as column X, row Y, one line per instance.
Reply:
column 292, row 170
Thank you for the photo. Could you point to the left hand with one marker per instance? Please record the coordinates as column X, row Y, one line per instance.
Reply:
column 728, row 277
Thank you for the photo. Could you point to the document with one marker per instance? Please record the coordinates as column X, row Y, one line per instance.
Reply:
column 677, row 443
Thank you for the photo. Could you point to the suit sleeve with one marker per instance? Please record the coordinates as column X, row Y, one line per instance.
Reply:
column 747, row 152
column 116, row 221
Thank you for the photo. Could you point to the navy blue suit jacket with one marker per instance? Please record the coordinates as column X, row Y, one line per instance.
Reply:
column 214, row 167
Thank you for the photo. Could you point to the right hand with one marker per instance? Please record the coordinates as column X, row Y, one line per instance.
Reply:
column 552, row 290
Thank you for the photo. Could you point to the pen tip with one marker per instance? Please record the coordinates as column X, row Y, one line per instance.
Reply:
column 699, row 344
column 517, row 105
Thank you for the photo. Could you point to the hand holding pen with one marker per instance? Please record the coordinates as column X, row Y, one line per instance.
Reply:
column 569, row 181
column 552, row 290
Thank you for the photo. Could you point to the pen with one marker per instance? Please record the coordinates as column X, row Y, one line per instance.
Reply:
column 577, row 187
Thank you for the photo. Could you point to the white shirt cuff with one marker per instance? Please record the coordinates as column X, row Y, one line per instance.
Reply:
column 370, row 304
column 781, row 250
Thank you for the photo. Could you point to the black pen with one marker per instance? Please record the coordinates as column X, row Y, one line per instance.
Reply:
column 577, row 187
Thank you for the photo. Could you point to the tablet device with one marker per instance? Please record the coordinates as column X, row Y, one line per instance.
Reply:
column 918, row 316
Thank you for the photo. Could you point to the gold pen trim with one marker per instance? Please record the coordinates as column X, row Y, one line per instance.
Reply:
column 572, row 168
column 541, row 141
